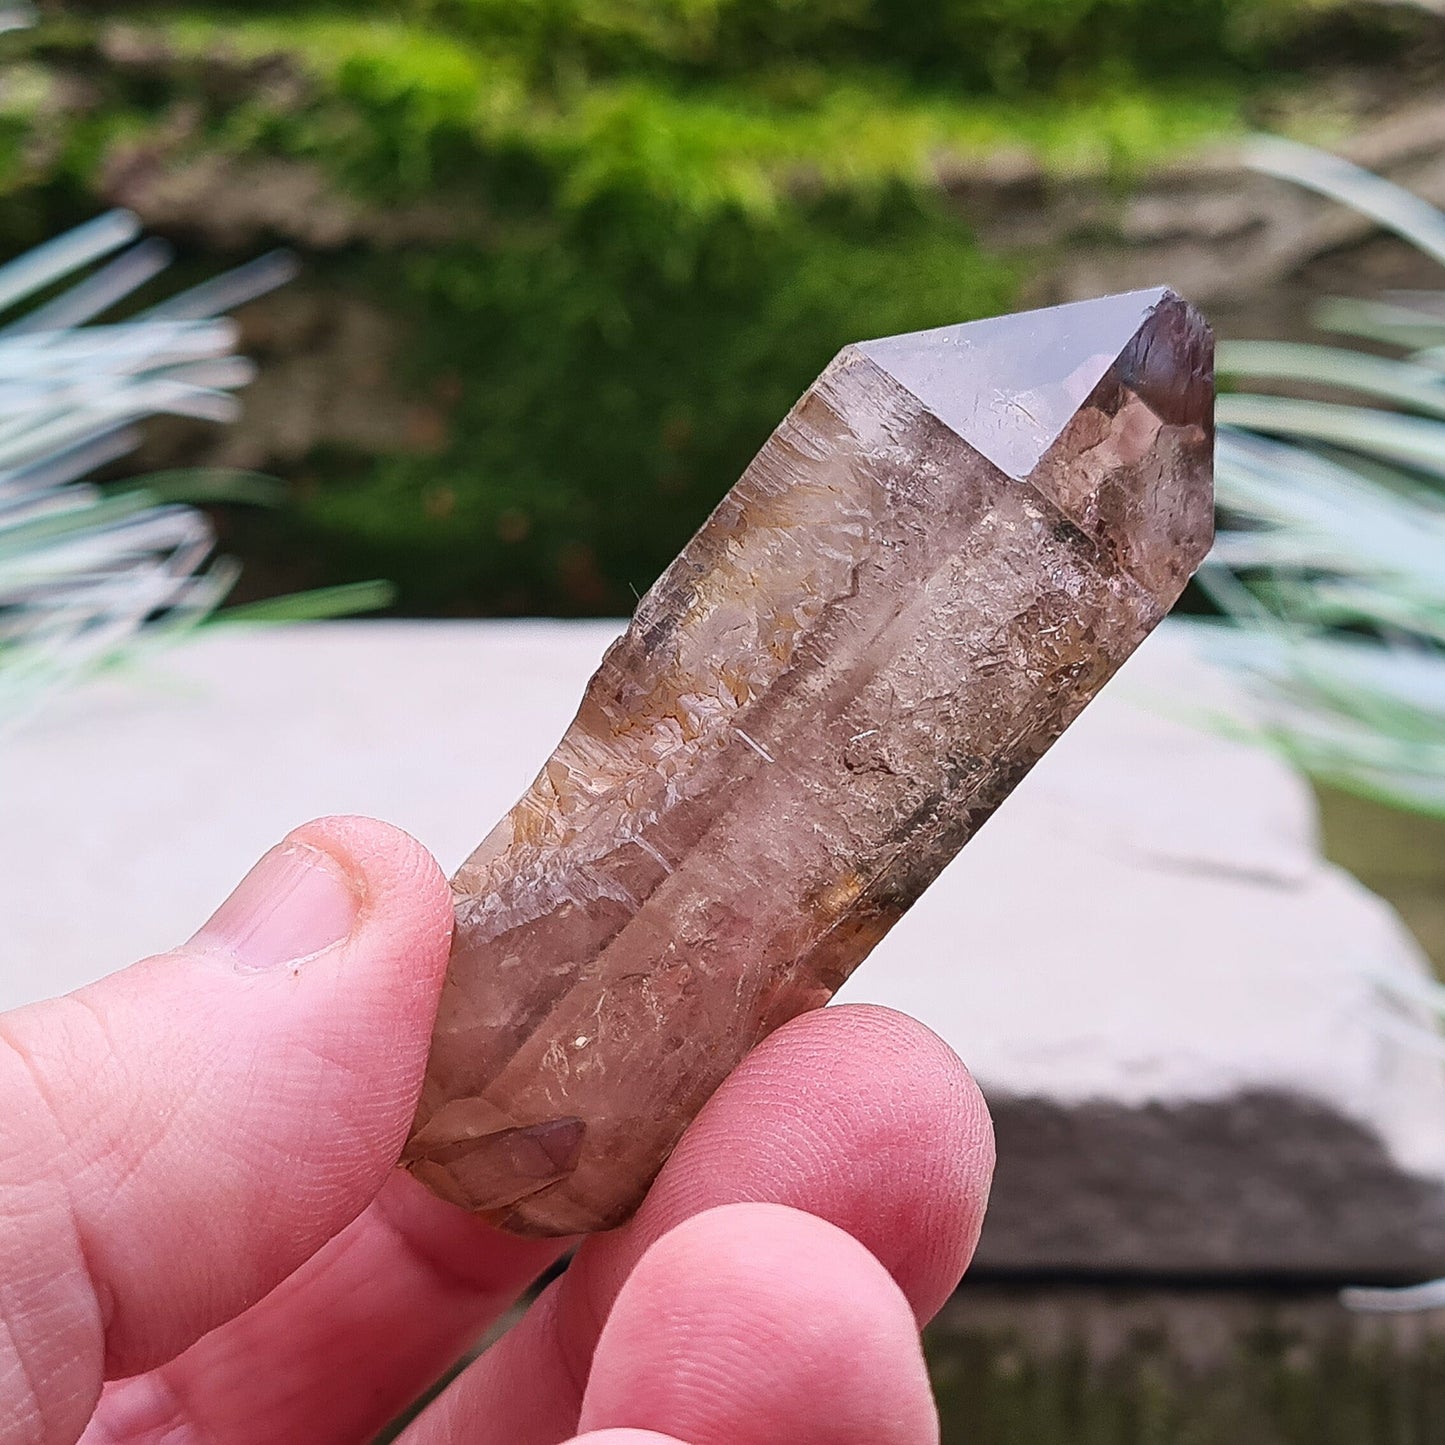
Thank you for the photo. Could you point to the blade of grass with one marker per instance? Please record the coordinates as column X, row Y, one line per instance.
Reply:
column 1414, row 441
column 323, row 602
column 1418, row 387
column 66, row 254
column 98, row 293
column 1395, row 208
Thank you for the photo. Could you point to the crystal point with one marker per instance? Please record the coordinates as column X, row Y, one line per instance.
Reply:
column 1009, row 385
column 939, row 557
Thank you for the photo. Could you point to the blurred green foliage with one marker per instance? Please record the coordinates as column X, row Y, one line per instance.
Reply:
column 668, row 215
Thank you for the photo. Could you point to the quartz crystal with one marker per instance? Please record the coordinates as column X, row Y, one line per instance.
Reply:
column 939, row 557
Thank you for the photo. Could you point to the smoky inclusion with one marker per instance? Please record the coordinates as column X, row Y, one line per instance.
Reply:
column 945, row 550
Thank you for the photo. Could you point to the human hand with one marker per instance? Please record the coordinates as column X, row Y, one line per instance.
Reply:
column 198, row 1206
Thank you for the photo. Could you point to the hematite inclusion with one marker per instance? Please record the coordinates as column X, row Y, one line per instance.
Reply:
column 939, row 557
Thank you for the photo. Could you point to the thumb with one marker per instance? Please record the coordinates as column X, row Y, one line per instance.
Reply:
column 179, row 1137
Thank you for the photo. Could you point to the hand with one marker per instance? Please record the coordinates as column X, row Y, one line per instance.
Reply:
column 198, row 1206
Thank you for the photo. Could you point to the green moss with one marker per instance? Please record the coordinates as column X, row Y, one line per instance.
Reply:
column 399, row 105
column 968, row 46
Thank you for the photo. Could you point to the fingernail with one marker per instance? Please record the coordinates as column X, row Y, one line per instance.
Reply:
column 295, row 903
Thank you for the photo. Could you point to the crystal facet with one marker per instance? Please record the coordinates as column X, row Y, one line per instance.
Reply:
column 939, row 557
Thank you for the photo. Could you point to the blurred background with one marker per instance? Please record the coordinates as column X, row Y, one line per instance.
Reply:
column 565, row 263
column 524, row 284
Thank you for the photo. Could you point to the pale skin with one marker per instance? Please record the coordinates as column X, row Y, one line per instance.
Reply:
column 204, row 1240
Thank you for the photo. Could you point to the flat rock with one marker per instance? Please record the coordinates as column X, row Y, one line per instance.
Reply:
column 1196, row 1035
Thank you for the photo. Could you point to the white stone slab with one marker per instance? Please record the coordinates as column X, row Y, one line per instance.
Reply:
column 1175, row 1006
